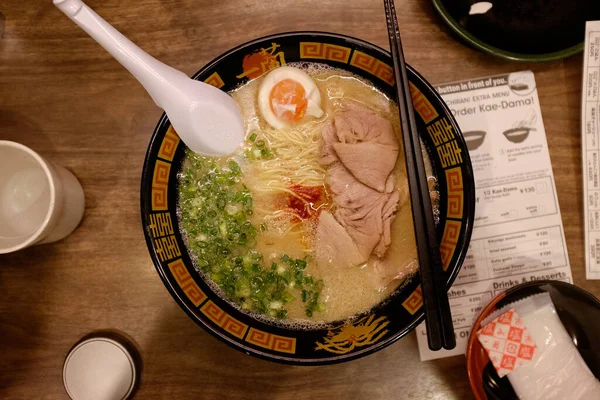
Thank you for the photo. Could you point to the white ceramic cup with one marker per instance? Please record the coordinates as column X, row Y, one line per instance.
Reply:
column 40, row 202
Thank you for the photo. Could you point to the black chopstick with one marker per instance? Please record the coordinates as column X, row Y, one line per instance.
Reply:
column 438, row 319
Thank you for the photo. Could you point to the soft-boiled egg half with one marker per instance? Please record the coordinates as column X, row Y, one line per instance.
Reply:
column 287, row 95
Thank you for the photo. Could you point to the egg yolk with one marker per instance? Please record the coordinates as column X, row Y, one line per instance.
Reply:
column 287, row 99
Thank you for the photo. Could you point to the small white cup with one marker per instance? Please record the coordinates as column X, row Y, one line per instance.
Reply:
column 40, row 202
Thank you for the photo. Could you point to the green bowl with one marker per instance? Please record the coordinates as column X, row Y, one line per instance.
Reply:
column 495, row 51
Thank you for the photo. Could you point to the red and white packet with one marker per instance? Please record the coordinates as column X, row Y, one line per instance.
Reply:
column 507, row 342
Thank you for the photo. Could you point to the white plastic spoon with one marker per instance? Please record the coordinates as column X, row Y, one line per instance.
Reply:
column 206, row 118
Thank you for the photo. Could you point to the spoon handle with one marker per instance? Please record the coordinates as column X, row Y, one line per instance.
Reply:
column 158, row 79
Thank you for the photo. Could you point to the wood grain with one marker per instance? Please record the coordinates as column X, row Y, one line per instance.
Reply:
column 63, row 96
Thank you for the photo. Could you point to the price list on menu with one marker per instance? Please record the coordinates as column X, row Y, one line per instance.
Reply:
column 518, row 234
column 590, row 144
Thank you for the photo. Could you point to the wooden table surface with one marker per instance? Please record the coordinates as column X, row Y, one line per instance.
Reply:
column 66, row 98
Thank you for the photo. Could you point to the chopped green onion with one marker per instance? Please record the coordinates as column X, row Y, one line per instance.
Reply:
column 266, row 153
column 304, row 296
column 280, row 270
column 287, row 297
column 234, row 167
column 215, row 206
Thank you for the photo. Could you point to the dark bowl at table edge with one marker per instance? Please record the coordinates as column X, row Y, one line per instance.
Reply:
column 497, row 52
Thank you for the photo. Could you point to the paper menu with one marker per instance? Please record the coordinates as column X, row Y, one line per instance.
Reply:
column 518, row 234
column 590, row 146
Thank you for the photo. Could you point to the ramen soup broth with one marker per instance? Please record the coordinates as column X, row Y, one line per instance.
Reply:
column 250, row 219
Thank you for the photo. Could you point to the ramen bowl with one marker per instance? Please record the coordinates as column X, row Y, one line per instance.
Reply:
column 342, row 340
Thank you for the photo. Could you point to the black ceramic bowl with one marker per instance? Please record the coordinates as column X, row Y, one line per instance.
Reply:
column 521, row 30
column 344, row 340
